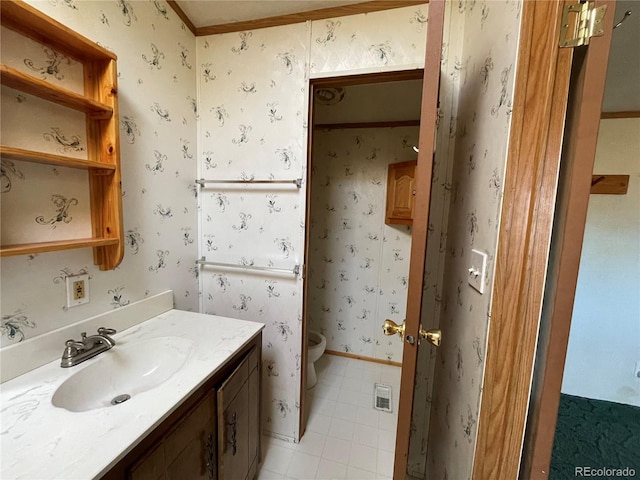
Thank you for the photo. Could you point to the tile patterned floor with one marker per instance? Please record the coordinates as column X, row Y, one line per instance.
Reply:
column 346, row 437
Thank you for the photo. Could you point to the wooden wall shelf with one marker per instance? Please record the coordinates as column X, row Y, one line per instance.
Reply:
column 13, row 78
column 23, row 155
column 100, row 106
column 42, row 247
column 609, row 184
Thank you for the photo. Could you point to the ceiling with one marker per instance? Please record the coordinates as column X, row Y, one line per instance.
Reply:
column 622, row 91
column 218, row 12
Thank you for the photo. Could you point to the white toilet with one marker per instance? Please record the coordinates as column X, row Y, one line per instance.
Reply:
column 316, row 347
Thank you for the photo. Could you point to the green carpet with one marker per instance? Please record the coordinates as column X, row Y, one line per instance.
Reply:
column 595, row 434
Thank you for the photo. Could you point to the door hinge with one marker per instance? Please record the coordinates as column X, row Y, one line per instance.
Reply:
column 580, row 22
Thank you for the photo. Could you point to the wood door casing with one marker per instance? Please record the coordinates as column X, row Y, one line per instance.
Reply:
column 542, row 81
column 574, row 188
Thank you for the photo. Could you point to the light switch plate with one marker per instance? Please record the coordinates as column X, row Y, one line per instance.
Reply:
column 77, row 290
column 478, row 270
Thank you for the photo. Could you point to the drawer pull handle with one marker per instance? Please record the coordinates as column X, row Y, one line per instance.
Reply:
column 232, row 437
column 210, row 458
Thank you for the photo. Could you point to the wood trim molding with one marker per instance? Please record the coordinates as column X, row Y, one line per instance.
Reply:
column 320, row 14
column 361, row 357
column 578, row 153
column 391, row 124
column 625, row 114
column 183, row 16
column 527, row 217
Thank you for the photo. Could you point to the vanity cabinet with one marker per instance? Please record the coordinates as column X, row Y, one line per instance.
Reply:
column 98, row 103
column 401, row 193
column 213, row 435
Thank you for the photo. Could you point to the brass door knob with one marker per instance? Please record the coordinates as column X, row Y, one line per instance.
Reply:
column 434, row 337
column 391, row 328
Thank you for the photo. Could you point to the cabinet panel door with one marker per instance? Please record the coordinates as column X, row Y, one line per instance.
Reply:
column 254, row 415
column 400, row 193
column 190, row 449
column 151, row 467
column 233, row 425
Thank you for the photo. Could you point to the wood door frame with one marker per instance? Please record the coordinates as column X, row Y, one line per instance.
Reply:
column 335, row 81
column 530, row 187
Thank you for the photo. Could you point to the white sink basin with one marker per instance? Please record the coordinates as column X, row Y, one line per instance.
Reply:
column 127, row 369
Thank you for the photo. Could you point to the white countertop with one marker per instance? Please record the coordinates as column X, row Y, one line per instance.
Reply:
column 44, row 442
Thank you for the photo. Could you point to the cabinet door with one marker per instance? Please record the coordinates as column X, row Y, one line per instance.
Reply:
column 186, row 452
column 400, row 193
column 189, row 450
column 238, row 422
column 254, row 413
column 150, row 467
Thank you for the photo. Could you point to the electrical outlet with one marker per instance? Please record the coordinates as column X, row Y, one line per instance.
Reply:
column 77, row 290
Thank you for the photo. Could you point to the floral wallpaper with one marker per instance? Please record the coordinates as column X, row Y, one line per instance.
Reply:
column 157, row 91
column 253, row 90
column 358, row 268
column 478, row 74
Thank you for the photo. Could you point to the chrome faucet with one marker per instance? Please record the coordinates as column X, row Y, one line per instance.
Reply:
column 77, row 352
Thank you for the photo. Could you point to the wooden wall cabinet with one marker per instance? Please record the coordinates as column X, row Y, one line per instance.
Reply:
column 99, row 103
column 401, row 193
column 214, row 435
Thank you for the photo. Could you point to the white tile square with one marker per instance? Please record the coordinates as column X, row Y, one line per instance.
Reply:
column 311, row 443
column 365, row 399
column 367, row 416
column 387, row 440
column 303, row 466
column 390, row 375
column 363, row 457
column 371, row 367
column 354, row 473
column 351, row 383
column 365, row 435
column 354, row 371
column 264, row 474
column 318, row 423
column 277, row 459
column 351, row 397
column 342, row 429
column 385, row 463
column 330, row 470
column 337, row 450
column 323, row 406
column 367, row 385
column 326, row 391
column 337, row 369
column 330, row 380
column 345, row 411
column 388, row 421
